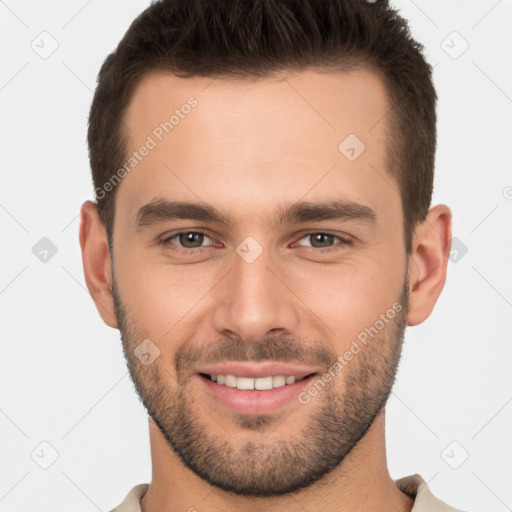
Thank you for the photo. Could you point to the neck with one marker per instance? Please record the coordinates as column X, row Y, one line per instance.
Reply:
column 361, row 482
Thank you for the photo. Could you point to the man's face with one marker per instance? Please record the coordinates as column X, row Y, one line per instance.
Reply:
column 256, row 293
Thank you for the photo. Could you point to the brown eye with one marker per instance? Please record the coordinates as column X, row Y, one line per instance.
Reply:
column 321, row 240
column 187, row 239
column 191, row 240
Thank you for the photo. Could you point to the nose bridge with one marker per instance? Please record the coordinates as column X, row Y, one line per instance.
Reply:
column 253, row 300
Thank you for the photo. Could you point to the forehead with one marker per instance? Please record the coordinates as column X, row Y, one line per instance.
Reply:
column 329, row 104
column 290, row 135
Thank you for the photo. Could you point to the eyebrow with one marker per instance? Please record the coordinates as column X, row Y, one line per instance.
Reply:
column 161, row 210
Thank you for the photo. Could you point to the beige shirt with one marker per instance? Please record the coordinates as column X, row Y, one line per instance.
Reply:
column 414, row 486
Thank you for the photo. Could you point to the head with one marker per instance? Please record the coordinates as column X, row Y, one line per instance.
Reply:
column 263, row 179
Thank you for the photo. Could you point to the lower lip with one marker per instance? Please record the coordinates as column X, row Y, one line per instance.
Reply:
column 253, row 401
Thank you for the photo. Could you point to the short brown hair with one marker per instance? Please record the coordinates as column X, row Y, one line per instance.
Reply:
column 259, row 38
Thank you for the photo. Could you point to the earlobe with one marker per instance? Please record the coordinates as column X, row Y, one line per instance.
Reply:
column 96, row 262
column 428, row 263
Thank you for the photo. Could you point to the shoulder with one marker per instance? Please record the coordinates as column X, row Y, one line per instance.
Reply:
column 132, row 501
column 424, row 500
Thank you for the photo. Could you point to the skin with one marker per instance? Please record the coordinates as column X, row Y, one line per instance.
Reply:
column 247, row 149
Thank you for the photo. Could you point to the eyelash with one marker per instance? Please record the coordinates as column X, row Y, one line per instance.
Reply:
column 343, row 242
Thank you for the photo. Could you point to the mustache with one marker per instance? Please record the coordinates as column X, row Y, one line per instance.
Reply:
column 278, row 349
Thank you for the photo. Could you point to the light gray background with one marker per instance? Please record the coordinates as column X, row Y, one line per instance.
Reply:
column 63, row 377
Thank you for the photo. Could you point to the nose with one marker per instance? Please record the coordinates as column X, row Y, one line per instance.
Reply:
column 255, row 299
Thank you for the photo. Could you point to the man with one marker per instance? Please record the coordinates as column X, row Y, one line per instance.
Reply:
column 261, row 237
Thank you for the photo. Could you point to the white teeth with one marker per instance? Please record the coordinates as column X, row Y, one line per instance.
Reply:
column 260, row 383
column 245, row 383
column 230, row 380
column 263, row 383
column 278, row 381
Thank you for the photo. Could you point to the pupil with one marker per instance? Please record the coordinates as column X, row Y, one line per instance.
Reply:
column 322, row 236
column 191, row 239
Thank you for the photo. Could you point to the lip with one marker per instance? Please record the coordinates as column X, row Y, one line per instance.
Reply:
column 254, row 371
column 254, row 401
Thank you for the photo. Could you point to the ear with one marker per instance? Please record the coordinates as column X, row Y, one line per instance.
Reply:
column 428, row 262
column 96, row 262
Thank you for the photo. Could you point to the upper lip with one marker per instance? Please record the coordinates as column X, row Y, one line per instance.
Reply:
column 255, row 370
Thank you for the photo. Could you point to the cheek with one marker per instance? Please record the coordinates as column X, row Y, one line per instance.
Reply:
column 164, row 298
column 351, row 296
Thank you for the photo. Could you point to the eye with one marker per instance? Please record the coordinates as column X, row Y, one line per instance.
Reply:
column 188, row 240
column 322, row 240
column 193, row 241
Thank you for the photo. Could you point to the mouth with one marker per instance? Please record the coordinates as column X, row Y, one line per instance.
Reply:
column 250, row 384
column 255, row 389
